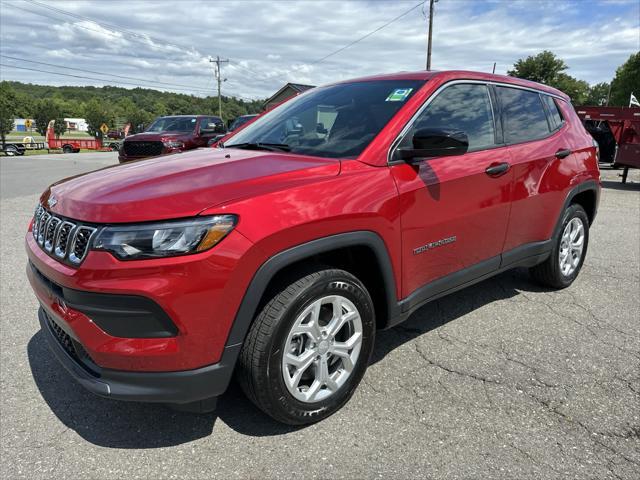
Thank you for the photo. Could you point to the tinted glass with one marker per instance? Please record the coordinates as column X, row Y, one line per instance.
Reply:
column 554, row 112
column 238, row 122
column 466, row 108
column 210, row 123
column 524, row 116
column 173, row 124
column 334, row 121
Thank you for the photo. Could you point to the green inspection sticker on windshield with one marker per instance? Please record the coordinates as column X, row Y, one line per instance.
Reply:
column 399, row 95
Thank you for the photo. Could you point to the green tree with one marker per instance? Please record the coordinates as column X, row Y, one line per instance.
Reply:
column 626, row 81
column 543, row 67
column 547, row 68
column 137, row 117
column 598, row 94
column 97, row 112
column 578, row 90
column 45, row 111
column 7, row 110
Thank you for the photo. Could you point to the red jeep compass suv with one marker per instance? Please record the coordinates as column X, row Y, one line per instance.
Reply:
column 278, row 255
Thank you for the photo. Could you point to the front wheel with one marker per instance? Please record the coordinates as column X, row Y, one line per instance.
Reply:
column 309, row 347
column 570, row 247
column 67, row 149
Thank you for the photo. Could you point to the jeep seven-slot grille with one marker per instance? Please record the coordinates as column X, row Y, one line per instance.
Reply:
column 143, row 149
column 62, row 239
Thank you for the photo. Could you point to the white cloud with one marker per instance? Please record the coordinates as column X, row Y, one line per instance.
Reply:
column 270, row 43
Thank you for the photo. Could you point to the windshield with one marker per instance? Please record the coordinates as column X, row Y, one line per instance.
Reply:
column 173, row 124
column 238, row 122
column 337, row 121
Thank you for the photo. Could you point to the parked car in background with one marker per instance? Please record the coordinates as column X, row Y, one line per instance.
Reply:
column 241, row 120
column 233, row 125
column 335, row 214
column 171, row 134
column 116, row 134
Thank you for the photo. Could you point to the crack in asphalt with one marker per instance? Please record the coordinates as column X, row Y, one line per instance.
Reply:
column 632, row 434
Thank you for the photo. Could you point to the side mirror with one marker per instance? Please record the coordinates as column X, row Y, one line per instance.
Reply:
column 429, row 142
column 212, row 128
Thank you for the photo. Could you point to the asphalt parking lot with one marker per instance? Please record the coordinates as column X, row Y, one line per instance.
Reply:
column 501, row 380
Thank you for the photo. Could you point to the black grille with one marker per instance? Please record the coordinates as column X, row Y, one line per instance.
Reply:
column 67, row 240
column 50, row 233
column 80, row 244
column 63, row 239
column 72, row 347
column 143, row 149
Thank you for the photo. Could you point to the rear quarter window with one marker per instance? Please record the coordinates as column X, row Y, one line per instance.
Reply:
column 555, row 117
column 524, row 116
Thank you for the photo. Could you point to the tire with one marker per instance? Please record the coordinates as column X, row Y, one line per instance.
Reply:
column 553, row 272
column 262, row 365
column 67, row 149
column 11, row 150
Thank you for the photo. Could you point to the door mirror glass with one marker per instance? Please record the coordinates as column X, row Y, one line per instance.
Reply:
column 210, row 128
column 429, row 143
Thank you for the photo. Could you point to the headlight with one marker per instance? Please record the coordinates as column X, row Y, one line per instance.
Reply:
column 164, row 239
column 174, row 144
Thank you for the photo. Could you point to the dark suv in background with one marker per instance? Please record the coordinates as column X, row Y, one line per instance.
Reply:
column 172, row 134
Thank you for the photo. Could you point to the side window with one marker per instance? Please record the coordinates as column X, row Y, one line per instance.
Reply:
column 524, row 115
column 463, row 107
column 554, row 113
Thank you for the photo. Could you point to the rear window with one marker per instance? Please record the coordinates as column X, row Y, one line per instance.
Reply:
column 555, row 118
column 524, row 115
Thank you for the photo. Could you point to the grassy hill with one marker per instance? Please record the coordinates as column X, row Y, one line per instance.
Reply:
column 146, row 102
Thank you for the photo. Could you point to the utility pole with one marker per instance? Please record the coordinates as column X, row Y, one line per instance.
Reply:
column 219, row 78
column 431, row 3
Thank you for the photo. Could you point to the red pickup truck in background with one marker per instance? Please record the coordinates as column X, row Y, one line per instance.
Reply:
column 171, row 134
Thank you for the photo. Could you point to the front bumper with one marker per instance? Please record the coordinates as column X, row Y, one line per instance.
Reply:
column 165, row 387
column 199, row 294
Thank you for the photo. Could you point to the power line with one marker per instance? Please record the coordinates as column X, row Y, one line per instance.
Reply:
column 106, row 80
column 143, row 37
column 367, row 35
column 106, row 74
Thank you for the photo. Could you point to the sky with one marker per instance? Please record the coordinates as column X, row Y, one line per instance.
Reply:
column 166, row 44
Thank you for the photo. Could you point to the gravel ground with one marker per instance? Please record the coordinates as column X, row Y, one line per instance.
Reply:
column 501, row 380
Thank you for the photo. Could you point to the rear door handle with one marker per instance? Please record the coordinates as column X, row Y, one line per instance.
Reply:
column 563, row 153
column 497, row 169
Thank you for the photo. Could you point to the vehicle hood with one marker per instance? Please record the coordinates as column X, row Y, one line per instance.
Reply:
column 157, row 137
column 181, row 185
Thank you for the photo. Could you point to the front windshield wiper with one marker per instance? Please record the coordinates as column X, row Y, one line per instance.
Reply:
column 271, row 147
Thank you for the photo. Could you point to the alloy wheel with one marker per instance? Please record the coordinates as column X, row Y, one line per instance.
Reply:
column 322, row 348
column 571, row 246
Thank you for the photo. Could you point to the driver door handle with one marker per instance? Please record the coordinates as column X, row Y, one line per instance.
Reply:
column 497, row 169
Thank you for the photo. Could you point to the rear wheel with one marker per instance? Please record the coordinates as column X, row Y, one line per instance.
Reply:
column 570, row 247
column 67, row 149
column 11, row 150
column 309, row 347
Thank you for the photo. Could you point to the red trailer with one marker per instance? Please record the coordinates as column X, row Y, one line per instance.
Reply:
column 73, row 145
column 617, row 131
